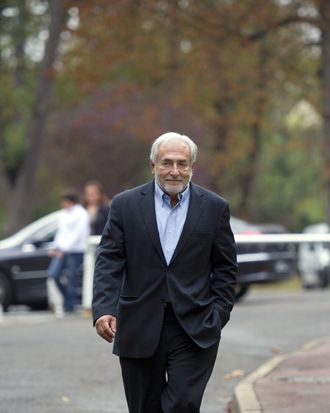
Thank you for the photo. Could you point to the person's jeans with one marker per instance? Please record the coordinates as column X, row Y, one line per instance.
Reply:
column 71, row 262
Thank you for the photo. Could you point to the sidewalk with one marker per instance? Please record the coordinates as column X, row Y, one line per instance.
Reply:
column 295, row 383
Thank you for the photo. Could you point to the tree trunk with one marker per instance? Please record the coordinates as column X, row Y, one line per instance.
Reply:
column 325, row 13
column 20, row 206
column 248, row 179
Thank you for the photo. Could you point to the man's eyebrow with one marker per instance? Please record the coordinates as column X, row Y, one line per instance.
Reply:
column 175, row 160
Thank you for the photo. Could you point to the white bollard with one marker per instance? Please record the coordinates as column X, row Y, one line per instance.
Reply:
column 55, row 298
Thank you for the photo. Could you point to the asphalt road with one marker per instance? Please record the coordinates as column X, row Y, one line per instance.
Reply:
column 54, row 366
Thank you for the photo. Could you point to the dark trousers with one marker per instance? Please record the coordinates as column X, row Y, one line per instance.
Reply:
column 173, row 380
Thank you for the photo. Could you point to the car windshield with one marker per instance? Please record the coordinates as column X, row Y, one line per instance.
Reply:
column 30, row 231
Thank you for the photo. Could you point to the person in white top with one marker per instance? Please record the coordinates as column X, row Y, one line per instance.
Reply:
column 70, row 243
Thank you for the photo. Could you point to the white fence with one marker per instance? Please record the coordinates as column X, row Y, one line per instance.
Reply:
column 89, row 260
column 239, row 239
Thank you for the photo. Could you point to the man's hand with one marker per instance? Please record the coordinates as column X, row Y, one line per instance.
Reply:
column 55, row 253
column 106, row 327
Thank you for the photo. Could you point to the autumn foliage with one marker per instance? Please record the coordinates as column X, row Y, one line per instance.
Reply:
column 230, row 74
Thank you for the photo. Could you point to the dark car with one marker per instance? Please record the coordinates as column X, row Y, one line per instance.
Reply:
column 24, row 261
column 261, row 262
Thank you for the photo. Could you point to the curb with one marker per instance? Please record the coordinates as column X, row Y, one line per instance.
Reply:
column 245, row 399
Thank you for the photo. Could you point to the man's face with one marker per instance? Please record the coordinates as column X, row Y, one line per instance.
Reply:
column 173, row 167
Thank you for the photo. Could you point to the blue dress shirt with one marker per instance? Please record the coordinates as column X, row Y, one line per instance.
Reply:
column 170, row 220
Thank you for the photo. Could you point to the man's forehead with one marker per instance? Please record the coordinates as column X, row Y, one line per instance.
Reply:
column 174, row 145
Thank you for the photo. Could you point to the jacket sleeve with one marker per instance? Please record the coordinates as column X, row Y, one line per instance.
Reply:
column 224, row 267
column 109, row 265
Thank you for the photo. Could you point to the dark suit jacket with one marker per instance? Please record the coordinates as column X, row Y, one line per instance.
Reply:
column 131, row 271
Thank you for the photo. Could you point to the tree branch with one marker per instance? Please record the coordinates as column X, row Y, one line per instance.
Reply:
column 283, row 23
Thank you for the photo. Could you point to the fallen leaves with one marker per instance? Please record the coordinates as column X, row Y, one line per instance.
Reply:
column 65, row 399
column 275, row 350
column 235, row 374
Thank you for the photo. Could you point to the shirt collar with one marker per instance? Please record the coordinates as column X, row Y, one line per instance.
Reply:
column 162, row 196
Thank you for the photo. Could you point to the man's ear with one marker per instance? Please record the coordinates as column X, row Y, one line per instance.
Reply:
column 152, row 166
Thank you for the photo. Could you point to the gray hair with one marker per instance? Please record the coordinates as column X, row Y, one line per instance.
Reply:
column 166, row 137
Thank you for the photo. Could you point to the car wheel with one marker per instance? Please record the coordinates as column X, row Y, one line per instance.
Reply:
column 6, row 292
column 241, row 290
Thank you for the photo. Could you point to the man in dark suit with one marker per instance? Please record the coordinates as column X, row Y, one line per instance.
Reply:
column 164, row 282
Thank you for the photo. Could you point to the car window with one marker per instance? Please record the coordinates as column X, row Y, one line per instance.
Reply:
column 43, row 235
column 36, row 230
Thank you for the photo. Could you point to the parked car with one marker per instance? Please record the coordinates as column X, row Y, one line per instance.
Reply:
column 260, row 263
column 314, row 259
column 24, row 261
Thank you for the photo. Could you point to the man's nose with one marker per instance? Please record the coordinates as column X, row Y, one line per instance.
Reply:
column 174, row 169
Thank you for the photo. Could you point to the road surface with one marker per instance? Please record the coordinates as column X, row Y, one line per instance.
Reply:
column 56, row 366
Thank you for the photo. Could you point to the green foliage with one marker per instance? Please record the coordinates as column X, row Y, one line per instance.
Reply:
column 15, row 143
column 21, row 22
column 50, row 189
column 289, row 187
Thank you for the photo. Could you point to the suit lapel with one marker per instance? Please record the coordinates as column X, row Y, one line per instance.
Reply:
column 196, row 206
column 147, row 206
